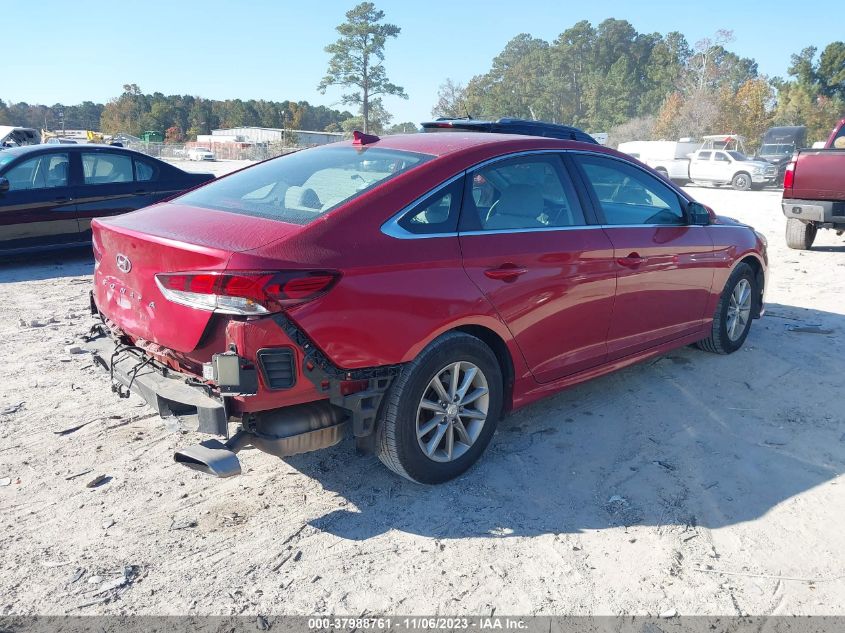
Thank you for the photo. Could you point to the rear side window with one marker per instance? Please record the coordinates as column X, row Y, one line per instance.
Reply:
column 704, row 155
column 300, row 187
column 99, row 168
column 144, row 171
column 43, row 172
column 530, row 192
column 438, row 213
column 629, row 195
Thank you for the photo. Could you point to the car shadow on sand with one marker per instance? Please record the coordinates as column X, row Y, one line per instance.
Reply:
column 689, row 438
column 54, row 265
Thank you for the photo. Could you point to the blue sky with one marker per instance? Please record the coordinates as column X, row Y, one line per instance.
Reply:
column 274, row 49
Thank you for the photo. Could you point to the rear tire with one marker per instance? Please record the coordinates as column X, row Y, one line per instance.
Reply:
column 416, row 424
column 732, row 320
column 800, row 235
column 741, row 181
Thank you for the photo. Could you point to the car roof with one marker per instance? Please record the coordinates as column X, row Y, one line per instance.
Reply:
column 445, row 143
column 63, row 147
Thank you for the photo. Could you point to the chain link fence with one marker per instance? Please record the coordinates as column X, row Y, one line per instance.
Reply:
column 221, row 151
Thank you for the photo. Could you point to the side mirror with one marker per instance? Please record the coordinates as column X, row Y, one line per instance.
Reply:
column 698, row 214
column 4, row 185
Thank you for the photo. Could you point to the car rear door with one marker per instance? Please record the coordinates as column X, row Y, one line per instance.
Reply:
column 664, row 265
column 542, row 262
column 113, row 183
column 38, row 210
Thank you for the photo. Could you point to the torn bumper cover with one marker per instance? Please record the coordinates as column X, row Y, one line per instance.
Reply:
column 282, row 432
column 168, row 392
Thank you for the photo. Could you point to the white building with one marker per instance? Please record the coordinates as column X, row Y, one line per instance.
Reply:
column 304, row 138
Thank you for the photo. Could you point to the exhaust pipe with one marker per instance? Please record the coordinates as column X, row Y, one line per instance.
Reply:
column 284, row 432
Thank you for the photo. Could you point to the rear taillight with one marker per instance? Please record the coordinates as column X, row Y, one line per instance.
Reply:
column 98, row 253
column 245, row 292
column 789, row 176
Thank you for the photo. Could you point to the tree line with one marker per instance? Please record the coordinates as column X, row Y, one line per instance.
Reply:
column 604, row 78
column 611, row 78
column 182, row 117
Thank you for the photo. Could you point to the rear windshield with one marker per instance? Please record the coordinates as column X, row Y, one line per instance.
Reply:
column 300, row 187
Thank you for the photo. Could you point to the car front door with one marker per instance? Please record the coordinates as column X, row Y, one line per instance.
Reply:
column 38, row 209
column 541, row 261
column 664, row 265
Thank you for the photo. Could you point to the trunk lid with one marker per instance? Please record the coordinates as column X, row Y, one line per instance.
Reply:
column 168, row 237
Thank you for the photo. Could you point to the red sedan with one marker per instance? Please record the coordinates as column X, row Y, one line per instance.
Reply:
column 409, row 291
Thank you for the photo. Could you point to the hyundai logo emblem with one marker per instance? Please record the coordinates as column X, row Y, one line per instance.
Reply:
column 123, row 263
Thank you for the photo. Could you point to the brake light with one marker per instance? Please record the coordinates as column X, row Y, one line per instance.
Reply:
column 789, row 176
column 246, row 292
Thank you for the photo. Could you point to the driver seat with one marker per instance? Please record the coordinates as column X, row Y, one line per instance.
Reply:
column 518, row 208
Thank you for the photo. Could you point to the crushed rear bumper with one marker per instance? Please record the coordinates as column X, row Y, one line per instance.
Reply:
column 169, row 393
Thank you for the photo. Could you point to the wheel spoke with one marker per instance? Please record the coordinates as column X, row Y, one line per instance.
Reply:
column 440, row 389
column 463, row 436
column 434, row 442
column 430, row 405
column 472, row 414
column 474, row 395
column 466, row 383
column 731, row 325
column 428, row 426
column 450, row 440
column 453, row 383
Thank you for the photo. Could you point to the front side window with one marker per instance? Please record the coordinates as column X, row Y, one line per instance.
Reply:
column 530, row 192
column 42, row 172
column 100, row 168
column 628, row 195
column 299, row 187
column 722, row 157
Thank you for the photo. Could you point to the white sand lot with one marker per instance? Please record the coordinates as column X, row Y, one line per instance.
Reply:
column 697, row 483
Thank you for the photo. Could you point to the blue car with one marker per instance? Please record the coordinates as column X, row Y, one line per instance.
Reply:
column 49, row 193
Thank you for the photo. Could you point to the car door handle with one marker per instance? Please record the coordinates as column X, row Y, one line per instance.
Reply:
column 506, row 272
column 61, row 199
column 632, row 260
column 140, row 192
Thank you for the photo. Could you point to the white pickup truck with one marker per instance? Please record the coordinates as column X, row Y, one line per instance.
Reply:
column 730, row 167
column 713, row 164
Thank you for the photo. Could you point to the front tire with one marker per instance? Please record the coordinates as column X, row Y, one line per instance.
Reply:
column 800, row 235
column 741, row 181
column 732, row 320
column 442, row 410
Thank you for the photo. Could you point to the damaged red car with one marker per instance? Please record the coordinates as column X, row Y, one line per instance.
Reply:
column 408, row 292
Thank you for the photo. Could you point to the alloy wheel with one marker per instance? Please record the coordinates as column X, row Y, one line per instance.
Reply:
column 739, row 309
column 452, row 411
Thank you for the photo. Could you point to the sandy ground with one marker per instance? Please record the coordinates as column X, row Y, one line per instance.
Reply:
column 694, row 483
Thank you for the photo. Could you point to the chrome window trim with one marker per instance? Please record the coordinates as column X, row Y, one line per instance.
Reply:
column 548, row 229
column 391, row 227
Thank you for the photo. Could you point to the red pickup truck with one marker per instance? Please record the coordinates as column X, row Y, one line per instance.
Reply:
column 814, row 191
